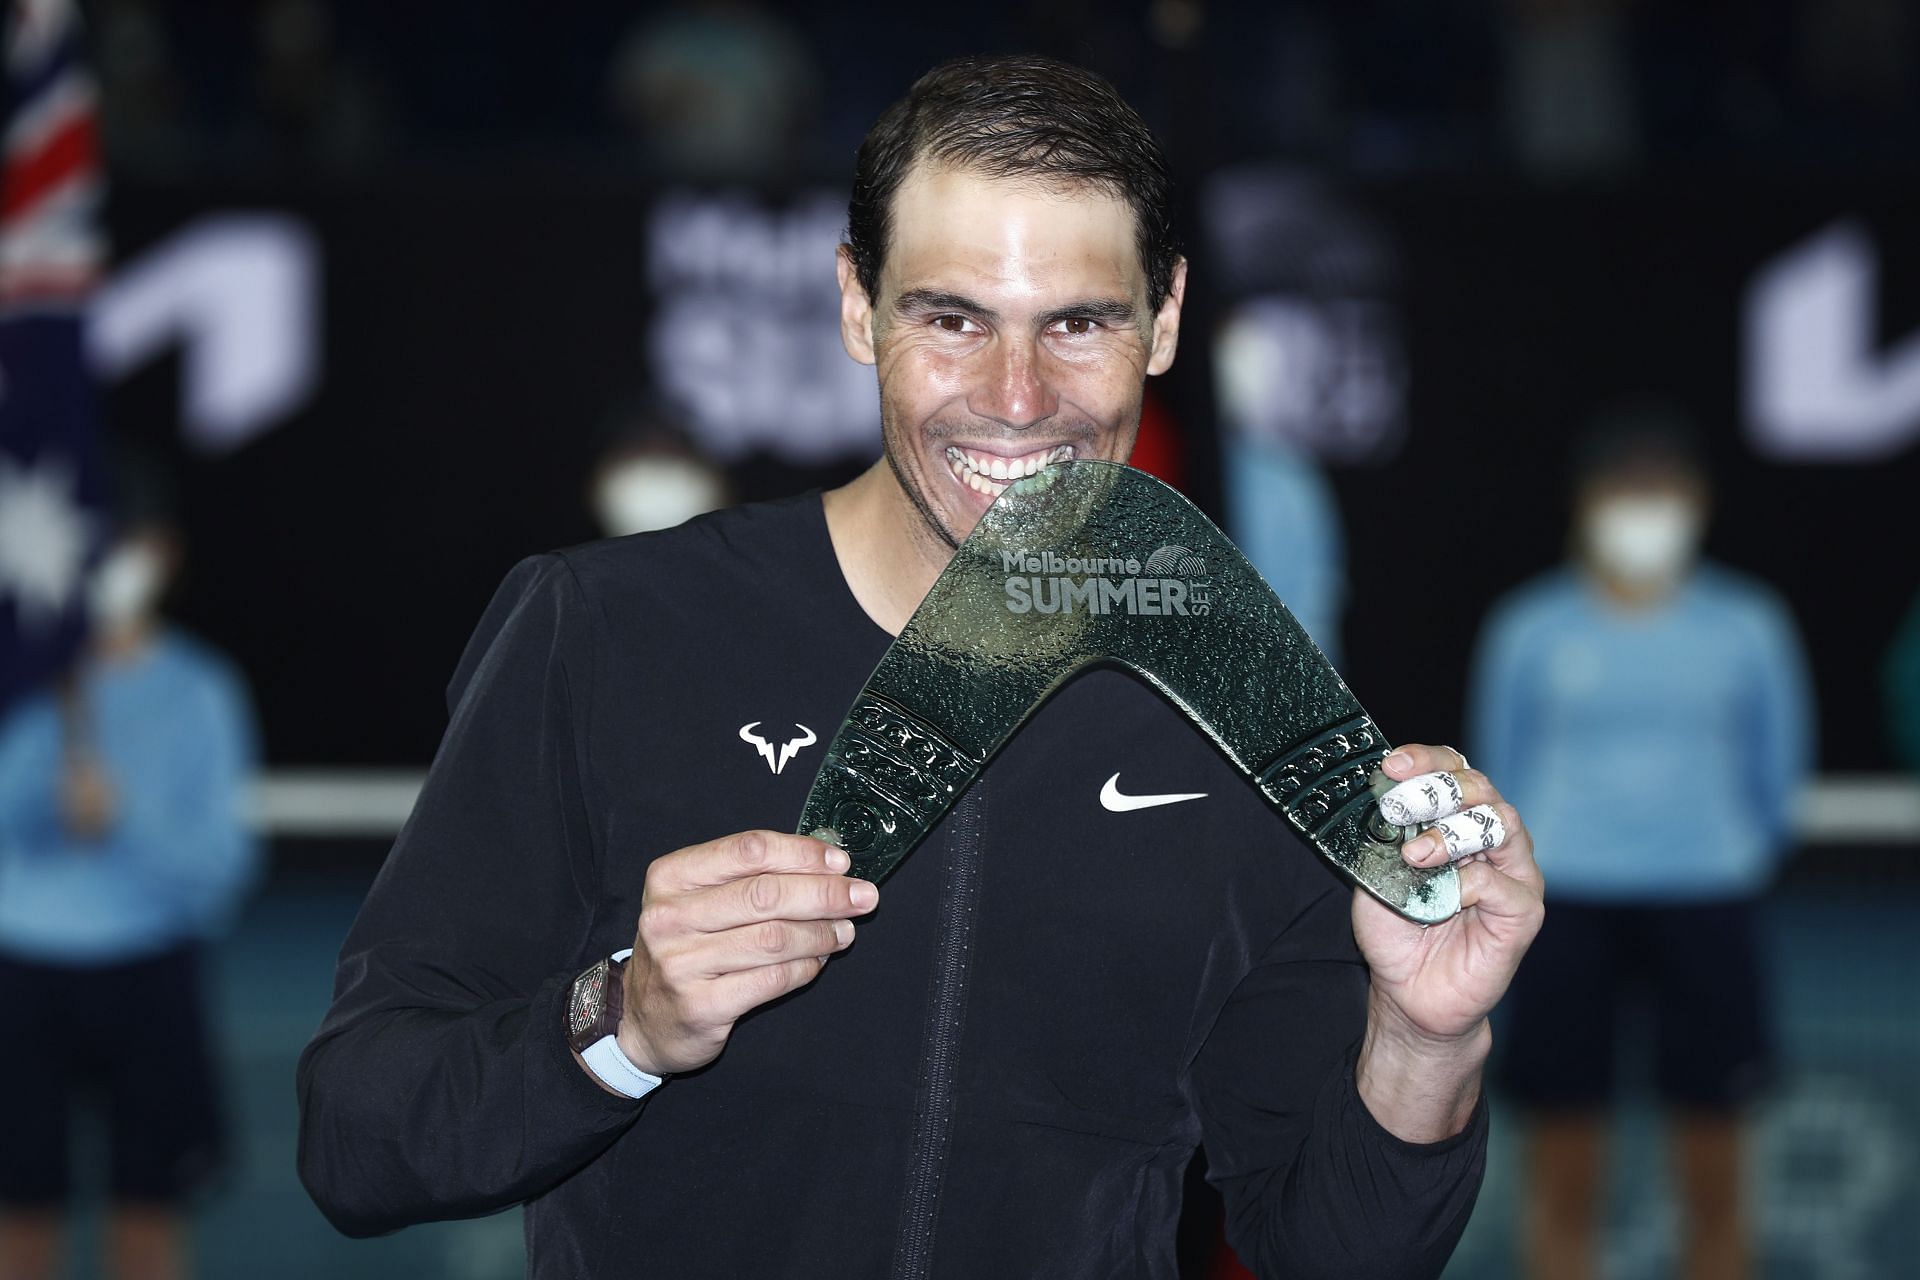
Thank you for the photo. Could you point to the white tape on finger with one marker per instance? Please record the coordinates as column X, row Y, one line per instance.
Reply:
column 1429, row 797
column 1475, row 830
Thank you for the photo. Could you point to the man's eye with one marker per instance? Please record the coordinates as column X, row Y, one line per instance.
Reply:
column 952, row 324
column 1077, row 325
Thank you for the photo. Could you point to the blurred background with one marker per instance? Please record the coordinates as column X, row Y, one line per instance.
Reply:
column 397, row 293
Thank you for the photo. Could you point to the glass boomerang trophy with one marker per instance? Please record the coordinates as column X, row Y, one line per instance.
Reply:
column 1093, row 562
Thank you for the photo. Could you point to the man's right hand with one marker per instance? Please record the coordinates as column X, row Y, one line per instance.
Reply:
column 725, row 927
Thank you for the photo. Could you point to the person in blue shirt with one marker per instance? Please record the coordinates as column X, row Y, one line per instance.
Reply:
column 1280, row 508
column 1650, row 713
column 123, row 849
column 1284, row 515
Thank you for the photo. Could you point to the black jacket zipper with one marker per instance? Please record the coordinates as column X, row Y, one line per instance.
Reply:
column 946, row 1017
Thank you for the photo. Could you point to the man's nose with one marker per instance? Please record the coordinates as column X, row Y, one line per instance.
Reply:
column 1014, row 389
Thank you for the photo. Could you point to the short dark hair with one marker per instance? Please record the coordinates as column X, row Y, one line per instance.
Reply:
column 1011, row 117
column 1635, row 436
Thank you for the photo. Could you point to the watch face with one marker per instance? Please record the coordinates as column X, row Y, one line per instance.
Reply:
column 589, row 996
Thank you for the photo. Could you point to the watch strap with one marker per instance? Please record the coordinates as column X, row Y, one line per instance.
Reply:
column 593, row 1012
column 606, row 1061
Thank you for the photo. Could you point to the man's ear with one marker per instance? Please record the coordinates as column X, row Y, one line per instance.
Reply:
column 856, row 310
column 1166, row 322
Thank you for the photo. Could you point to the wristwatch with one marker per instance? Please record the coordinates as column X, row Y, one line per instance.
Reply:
column 594, row 1007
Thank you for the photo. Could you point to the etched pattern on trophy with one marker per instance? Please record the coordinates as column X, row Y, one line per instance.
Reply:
column 1317, row 780
column 912, row 768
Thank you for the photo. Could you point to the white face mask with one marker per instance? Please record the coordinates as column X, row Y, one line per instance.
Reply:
column 126, row 586
column 655, row 493
column 1644, row 542
column 1250, row 373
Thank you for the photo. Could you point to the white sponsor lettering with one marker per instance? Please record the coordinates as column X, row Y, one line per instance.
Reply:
column 240, row 295
column 746, row 331
column 1048, row 582
column 1818, row 385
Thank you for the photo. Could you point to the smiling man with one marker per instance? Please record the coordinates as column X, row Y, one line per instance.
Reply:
column 590, row 976
column 1014, row 286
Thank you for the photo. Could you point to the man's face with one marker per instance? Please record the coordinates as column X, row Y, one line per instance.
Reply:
column 1011, row 329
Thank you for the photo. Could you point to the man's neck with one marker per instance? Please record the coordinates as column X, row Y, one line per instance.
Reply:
column 1632, row 597
column 124, row 643
column 886, row 552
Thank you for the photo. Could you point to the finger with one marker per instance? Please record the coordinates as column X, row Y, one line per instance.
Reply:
column 748, row 853
column 1425, row 798
column 1472, row 831
column 1415, row 758
column 1461, row 835
column 777, row 897
column 1428, row 797
column 1512, row 911
column 1513, row 857
column 771, row 942
column 729, row 997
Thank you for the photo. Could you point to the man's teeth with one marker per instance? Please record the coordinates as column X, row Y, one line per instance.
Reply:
column 991, row 474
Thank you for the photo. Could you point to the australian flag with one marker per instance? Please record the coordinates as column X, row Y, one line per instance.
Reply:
column 51, row 483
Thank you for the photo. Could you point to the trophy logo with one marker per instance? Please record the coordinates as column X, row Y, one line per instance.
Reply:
column 1172, row 582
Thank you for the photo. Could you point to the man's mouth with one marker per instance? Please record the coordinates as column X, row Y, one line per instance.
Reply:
column 989, row 473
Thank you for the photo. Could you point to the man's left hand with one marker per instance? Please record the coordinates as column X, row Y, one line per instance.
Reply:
column 1434, row 986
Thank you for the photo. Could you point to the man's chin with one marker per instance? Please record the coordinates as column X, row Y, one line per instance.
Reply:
column 952, row 509
column 952, row 528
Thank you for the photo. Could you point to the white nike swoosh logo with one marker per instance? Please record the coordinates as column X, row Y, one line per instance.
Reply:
column 1113, row 802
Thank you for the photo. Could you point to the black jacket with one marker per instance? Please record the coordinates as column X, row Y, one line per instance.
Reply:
column 1005, row 1075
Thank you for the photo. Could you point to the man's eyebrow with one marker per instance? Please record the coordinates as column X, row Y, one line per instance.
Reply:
column 1108, row 311
column 925, row 300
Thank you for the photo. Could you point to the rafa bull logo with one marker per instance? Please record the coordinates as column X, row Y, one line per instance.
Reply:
column 787, row 750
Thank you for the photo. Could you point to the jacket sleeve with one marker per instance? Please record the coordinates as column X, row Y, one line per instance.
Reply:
column 1314, row 1186
column 440, row 1084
